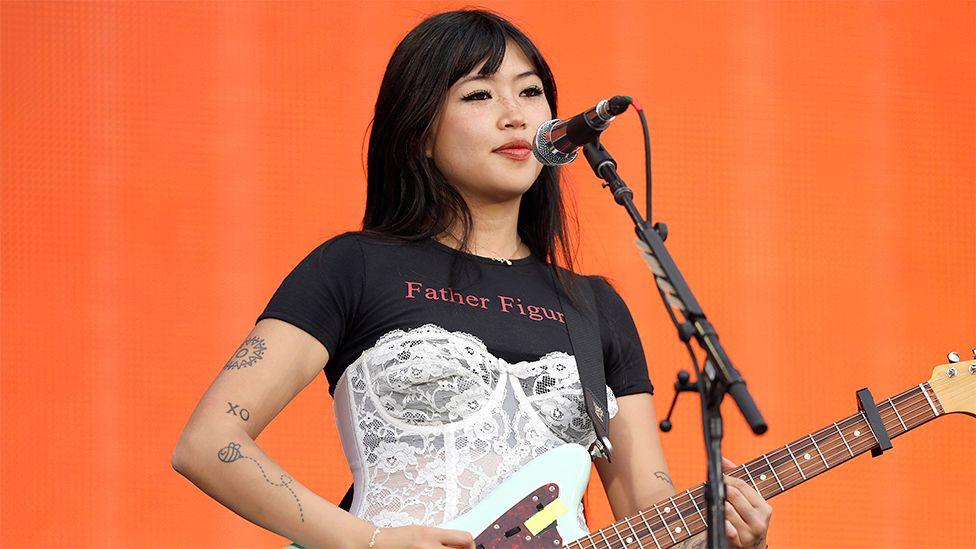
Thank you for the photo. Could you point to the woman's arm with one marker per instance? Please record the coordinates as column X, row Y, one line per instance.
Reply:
column 217, row 452
column 638, row 477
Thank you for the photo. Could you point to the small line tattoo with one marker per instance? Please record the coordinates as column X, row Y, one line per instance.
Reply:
column 232, row 453
column 242, row 413
column 247, row 354
column 664, row 476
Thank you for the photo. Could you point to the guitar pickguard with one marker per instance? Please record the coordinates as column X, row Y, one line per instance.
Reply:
column 509, row 530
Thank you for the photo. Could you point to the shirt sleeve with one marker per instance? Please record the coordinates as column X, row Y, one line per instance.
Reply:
column 322, row 293
column 623, row 354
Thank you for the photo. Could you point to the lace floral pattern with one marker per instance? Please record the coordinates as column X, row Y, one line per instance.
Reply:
column 439, row 422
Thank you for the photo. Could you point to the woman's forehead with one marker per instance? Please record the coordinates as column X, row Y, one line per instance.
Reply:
column 514, row 65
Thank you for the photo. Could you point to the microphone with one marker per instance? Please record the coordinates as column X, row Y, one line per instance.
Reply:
column 557, row 140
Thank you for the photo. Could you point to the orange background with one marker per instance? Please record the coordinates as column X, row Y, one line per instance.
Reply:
column 166, row 164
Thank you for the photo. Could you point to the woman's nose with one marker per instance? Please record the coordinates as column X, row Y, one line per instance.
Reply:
column 512, row 115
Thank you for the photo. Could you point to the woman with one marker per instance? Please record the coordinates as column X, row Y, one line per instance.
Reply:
column 439, row 326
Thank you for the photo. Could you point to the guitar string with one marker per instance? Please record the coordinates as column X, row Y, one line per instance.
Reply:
column 696, row 493
column 658, row 524
column 919, row 403
column 679, row 507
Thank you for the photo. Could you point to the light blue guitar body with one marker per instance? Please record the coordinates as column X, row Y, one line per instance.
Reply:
column 561, row 474
column 534, row 507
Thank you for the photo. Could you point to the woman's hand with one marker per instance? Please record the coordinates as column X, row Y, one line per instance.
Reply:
column 746, row 512
column 422, row 537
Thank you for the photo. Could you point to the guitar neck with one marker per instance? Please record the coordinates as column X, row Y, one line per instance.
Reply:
column 683, row 515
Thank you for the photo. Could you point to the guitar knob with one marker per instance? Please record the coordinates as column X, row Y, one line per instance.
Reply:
column 953, row 357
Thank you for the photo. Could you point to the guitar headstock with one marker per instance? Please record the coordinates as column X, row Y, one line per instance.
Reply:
column 955, row 384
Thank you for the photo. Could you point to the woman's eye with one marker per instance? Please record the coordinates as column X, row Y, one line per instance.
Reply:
column 479, row 95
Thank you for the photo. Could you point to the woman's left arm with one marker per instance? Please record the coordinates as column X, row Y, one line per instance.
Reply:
column 638, row 477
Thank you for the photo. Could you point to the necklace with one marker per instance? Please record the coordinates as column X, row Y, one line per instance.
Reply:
column 499, row 259
column 505, row 260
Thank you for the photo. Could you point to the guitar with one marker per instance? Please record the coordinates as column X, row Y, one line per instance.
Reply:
column 537, row 506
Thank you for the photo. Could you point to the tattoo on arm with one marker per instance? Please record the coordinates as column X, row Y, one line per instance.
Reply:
column 664, row 476
column 247, row 354
column 232, row 453
column 235, row 409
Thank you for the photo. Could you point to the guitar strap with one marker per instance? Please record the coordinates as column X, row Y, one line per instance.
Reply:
column 584, row 338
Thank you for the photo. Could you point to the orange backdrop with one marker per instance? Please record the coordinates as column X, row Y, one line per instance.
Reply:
column 166, row 164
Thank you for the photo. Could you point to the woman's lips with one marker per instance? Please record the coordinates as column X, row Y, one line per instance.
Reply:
column 515, row 153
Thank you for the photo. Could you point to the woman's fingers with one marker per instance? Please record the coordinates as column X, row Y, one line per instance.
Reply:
column 457, row 538
column 747, row 511
column 746, row 507
column 731, row 534
column 750, row 493
column 727, row 464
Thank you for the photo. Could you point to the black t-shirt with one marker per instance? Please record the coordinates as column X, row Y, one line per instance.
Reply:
column 352, row 289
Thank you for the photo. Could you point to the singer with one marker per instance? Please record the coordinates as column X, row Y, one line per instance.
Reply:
column 437, row 404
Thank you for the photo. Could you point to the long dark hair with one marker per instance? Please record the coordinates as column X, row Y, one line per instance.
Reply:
column 407, row 198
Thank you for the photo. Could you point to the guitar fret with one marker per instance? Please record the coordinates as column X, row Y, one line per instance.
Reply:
column 604, row 536
column 653, row 534
column 926, row 393
column 774, row 473
column 632, row 531
column 864, row 418
column 678, row 511
column 666, row 525
column 804, row 477
column 621, row 538
column 827, row 465
column 648, row 526
column 844, row 440
column 754, row 485
column 895, row 408
column 691, row 496
column 615, row 531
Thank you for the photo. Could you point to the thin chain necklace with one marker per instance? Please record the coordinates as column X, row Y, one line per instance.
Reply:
column 499, row 259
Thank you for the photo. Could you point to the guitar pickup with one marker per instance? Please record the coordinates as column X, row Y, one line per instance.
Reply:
column 548, row 515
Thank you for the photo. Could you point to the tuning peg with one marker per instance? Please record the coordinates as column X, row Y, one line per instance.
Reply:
column 953, row 357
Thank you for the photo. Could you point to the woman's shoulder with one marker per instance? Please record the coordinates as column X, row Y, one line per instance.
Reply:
column 599, row 283
column 358, row 241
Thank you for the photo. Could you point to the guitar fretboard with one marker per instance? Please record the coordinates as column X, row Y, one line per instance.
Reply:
column 684, row 515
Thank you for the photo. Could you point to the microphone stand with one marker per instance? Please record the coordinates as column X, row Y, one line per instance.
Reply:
column 720, row 377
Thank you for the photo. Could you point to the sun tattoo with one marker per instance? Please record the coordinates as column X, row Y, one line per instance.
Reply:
column 247, row 354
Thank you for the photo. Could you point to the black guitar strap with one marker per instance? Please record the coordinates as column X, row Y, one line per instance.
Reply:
column 584, row 336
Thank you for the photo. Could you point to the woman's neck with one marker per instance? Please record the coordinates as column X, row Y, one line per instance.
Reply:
column 494, row 233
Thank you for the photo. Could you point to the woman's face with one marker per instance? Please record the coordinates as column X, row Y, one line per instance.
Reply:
column 479, row 117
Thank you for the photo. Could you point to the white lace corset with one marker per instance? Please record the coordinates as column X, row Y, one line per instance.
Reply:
column 431, row 422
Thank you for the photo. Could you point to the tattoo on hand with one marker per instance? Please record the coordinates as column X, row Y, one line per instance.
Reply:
column 242, row 413
column 232, row 453
column 247, row 354
column 664, row 476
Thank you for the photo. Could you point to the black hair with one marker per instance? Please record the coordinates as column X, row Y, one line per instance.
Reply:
column 407, row 198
